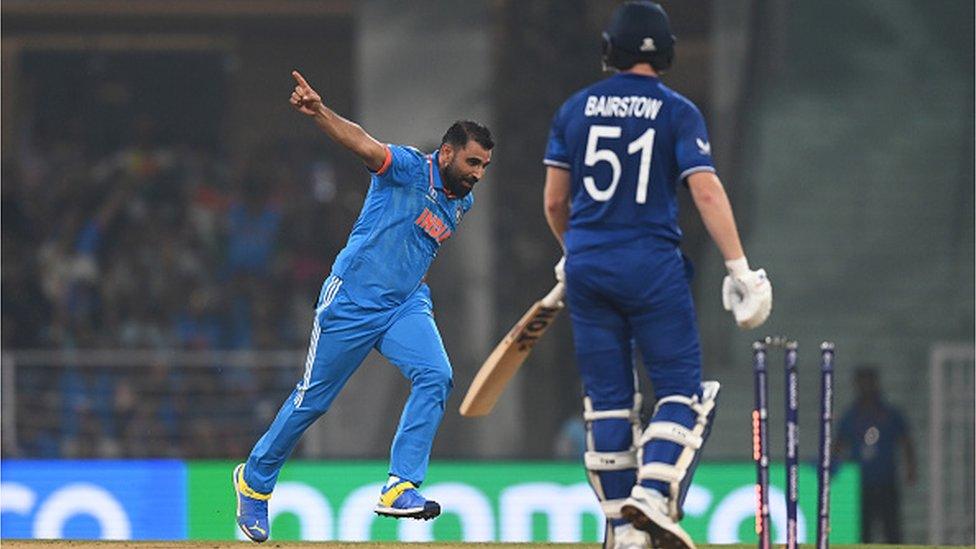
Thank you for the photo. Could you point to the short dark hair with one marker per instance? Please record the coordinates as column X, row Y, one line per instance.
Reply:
column 462, row 131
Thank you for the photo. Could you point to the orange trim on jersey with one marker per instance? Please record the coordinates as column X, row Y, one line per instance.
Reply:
column 386, row 162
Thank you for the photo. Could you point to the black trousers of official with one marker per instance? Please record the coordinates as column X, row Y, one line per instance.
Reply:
column 880, row 513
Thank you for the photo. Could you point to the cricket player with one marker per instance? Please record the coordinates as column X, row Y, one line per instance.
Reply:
column 376, row 298
column 617, row 151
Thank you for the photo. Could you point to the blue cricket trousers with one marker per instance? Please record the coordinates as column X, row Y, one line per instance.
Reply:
column 342, row 335
column 638, row 295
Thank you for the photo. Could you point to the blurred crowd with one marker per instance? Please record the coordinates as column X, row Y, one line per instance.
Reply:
column 151, row 246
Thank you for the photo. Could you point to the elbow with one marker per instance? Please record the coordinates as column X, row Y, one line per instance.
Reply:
column 706, row 189
column 705, row 198
column 708, row 196
column 556, row 207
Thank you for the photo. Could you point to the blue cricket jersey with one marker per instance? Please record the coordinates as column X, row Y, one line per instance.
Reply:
column 406, row 217
column 626, row 140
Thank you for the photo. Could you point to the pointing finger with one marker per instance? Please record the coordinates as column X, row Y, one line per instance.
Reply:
column 300, row 79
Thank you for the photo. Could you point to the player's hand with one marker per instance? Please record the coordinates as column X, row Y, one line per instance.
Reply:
column 305, row 99
column 560, row 270
column 747, row 293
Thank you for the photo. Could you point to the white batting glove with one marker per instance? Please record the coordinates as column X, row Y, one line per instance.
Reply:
column 560, row 270
column 748, row 294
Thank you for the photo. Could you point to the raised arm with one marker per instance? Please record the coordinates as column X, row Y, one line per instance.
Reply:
column 344, row 132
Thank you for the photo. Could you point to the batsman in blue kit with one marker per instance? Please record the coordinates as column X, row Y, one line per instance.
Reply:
column 617, row 151
column 376, row 298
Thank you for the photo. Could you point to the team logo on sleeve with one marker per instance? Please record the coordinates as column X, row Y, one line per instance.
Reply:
column 704, row 147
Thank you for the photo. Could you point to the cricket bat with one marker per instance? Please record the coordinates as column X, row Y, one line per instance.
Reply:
column 510, row 353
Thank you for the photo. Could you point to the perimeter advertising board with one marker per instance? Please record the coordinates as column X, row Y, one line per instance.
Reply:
column 483, row 501
column 103, row 499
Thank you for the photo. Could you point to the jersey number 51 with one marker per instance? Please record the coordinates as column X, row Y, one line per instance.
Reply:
column 643, row 144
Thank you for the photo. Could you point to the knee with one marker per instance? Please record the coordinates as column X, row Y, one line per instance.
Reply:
column 435, row 376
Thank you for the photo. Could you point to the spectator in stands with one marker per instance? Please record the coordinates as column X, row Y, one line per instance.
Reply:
column 252, row 227
column 23, row 306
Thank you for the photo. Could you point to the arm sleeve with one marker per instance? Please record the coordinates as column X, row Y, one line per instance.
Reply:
column 692, row 149
column 557, row 152
column 400, row 166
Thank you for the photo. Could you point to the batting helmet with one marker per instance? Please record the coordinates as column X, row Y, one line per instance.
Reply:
column 639, row 32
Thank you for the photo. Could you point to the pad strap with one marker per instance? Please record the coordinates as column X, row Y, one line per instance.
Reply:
column 593, row 415
column 674, row 432
column 678, row 399
column 702, row 408
column 610, row 461
column 633, row 414
column 611, row 508
column 664, row 472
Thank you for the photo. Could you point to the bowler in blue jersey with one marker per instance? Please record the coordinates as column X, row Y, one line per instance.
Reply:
column 375, row 298
column 618, row 153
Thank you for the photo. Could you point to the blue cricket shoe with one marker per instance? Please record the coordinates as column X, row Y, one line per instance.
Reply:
column 400, row 499
column 252, row 508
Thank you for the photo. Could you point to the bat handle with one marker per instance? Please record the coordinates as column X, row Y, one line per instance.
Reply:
column 555, row 296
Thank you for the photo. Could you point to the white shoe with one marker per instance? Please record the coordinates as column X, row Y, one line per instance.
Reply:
column 647, row 510
column 626, row 536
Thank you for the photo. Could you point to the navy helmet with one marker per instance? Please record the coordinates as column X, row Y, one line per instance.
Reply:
column 639, row 32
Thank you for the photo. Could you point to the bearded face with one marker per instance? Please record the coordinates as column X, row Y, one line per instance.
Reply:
column 462, row 167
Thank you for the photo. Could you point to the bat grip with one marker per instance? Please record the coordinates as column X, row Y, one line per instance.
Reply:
column 555, row 296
